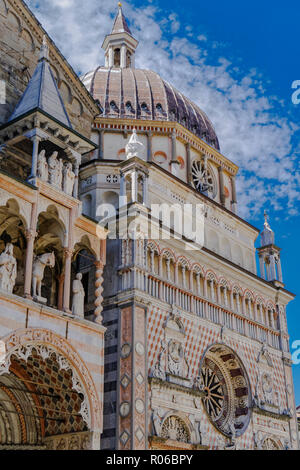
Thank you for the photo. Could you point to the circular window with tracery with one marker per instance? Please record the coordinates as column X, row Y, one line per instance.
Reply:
column 203, row 179
column 227, row 397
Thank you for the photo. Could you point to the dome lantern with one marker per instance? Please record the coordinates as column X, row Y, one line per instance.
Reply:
column 120, row 45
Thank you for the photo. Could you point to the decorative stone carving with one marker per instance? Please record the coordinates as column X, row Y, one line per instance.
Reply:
column 20, row 343
column 157, row 419
column 39, row 265
column 172, row 364
column 175, row 429
column 69, row 179
column 160, row 367
column 8, row 269
column 175, row 357
column 78, row 297
column 134, row 148
column 124, row 409
column 78, row 441
column 42, row 170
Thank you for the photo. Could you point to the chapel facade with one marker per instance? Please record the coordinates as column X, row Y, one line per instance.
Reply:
column 196, row 347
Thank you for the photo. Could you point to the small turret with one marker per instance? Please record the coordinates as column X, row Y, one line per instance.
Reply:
column 269, row 255
column 120, row 45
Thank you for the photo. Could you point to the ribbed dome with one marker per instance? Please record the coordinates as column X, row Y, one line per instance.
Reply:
column 143, row 94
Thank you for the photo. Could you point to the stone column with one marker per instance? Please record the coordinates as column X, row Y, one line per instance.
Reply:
column 212, row 291
column 168, row 262
column 123, row 56
column 34, row 162
column 149, row 146
column 198, row 284
column 152, row 267
column 262, row 267
column 225, row 297
column 222, row 186
column 30, row 237
column 231, row 301
column 100, row 144
column 134, row 188
column 123, row 195
column 243, row 306
column 272, row 268
column 174, row 146
column 160, row 266
column 145, row 191
column 61, row 281
column 261, row 313
column 111, row 57
column 67, row 282
column 99, row 290
column 205, row 287
column 176, row 274
column 279, row 270
column 188, row 163
column 234, row 198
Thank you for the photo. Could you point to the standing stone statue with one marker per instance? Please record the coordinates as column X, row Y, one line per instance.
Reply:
column 8, row 269
column 55, row 170
column 69, row 179
column 78, row 297
column 59, row 174
column 42, row 171
column 134, row 148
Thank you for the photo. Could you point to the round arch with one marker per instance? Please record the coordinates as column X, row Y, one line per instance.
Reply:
column 21, row 344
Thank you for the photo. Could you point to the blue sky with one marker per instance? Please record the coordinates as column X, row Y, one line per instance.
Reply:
column 238, row 61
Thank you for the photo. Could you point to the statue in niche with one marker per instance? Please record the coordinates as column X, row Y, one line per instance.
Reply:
column 39, row 265
column 42, row 171
column 8, row 269
column 78, row 297
column 55, row 170
column 69, row 179
column 134, row 148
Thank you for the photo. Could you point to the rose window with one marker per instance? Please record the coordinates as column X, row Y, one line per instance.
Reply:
column 227, row 397
column 216, row 394
column 202, row 177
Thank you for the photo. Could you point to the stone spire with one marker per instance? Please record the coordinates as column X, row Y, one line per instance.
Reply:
column 120, row 24
column 42, row 93
column 120, row 45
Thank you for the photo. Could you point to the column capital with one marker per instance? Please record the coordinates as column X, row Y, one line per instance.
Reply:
column 31, row 234
column 99, row 264
column 68, row 252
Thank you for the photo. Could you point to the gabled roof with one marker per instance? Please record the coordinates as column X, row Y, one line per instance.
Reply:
column 42, row 93
column 120, row 24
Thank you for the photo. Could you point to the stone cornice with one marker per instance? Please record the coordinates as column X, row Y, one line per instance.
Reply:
column 165, row 127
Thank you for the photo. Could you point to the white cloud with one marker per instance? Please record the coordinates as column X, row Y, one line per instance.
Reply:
column 251, row 126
